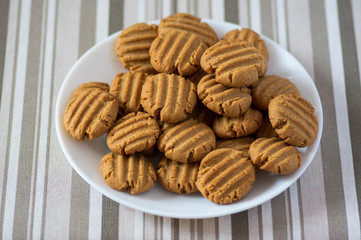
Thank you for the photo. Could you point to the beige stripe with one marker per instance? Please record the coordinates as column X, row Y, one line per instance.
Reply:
column 167, row 226
column 102, row 20
column 267, row 223
column 167, row 8
column 149, row 226
column 295, row 212
column 281, row 23
column 59, row 171
column 184, row 229
column 338, row 81
column 130, row 18
column 255, row 15
column 182, row 6
column 142, row 10
column 203, row 9
column 138, row 230
column 152, row 10
column 209, row 228
column 14, row 147
column 243, row 13
column 218, row 10
column 224, row 226
column 253, row 224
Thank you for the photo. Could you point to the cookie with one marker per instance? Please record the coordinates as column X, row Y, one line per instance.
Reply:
column 239, row 144
column 223, row 100
column 134, row 172
column 191, row 24
column 203, row 114
column 235, row 63
column 268, row 87
column 132, row 47
column 102, row 85
column 196, row 77
column 127, row 88
column 248, row 123
column 176, row 52
column 177, row 177
column 188, row 141
column 90, row 113
column 293, row 119
column 168, row 96
column 266, row 130
column 249, row 36
column 274, row 155
column 133, row 133
column 225, row 176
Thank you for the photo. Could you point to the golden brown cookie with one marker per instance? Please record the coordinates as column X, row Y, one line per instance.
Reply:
column 203, row 114
column 268, row 87
column 240, row 144
column 170, row 97
column 102, row 85
column 235, row 63
column 133, row 133
column 176, row 52
column 134, row 172
column 223, row 100
column 248, row 123
column 177, row 177
column 225, row 176
column 127, row 88
column 90, row 113
column 274, row 155
column 249, row 36
column 132, row 47
column 266, row 130
column 191, row 24
column 293, row 119
column 188, row 141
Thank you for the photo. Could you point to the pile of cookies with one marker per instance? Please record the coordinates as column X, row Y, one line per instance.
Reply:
column 205, row 103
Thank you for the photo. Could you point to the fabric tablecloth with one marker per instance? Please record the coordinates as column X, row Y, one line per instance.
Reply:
column 43, row 197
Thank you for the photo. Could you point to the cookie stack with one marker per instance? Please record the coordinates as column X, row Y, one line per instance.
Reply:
column 204, row 103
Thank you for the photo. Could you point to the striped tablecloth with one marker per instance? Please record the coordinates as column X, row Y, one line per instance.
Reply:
column 43, row 197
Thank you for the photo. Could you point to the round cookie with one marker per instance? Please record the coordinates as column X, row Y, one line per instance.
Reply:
column 268, row 87
column 293, row 119
column 132, row 47
column 133, row 133
column 188, row 141
column 239, row 144
column 102, row 85
column 266, row 130
column 170, row 97
column 134, row 172
column 177, row 177
column 191, row 24
column 223, row 100
column 90, row 113
column 245, row 125
column 127, row 88
column 176, row 52
column 235, row 63
column 274, row 155
column 225, row 176
column 249, row 36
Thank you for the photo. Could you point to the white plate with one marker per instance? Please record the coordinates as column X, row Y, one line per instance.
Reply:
column 100, row 63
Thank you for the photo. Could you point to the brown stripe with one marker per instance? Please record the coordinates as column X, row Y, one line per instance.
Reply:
column 4, row 14
column 199, row 229
column 240, row 225
column 335, row 202
column 110, row 218
column 279, row 217
column 175, row 228
column 231, row 11
column 115, row 16
column 300, row 206
column 352, row 81
column 289, row 213
column 7, row 154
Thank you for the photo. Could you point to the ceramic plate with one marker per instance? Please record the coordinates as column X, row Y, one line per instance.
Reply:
column 100, row 63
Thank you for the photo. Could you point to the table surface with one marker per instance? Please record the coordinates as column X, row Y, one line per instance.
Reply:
column 43, row 197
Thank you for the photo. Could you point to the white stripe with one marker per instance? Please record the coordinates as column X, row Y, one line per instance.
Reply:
column 255, row 15
column 182, row 6
column 209, row 228
column 281, row 20
column 253, row 224
column 102, row 20
column 184, row 229
column 267, row 222
column 218, row 10
column 356, row 14
column 128, row 225
column 167, row 8
column 14, row 147
column 58, row 197
column 204, row 9
column 151, row 10
column 192, row 9
column 142, row 10
column 339, row 91
column 44, row 120
column 295, row 210
column 225, row 227
column 149, row 226
column 9, row 66
column 167, row 226
column 138, row 225
column 274, row 22
column 243, row 13
column 95, row 214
